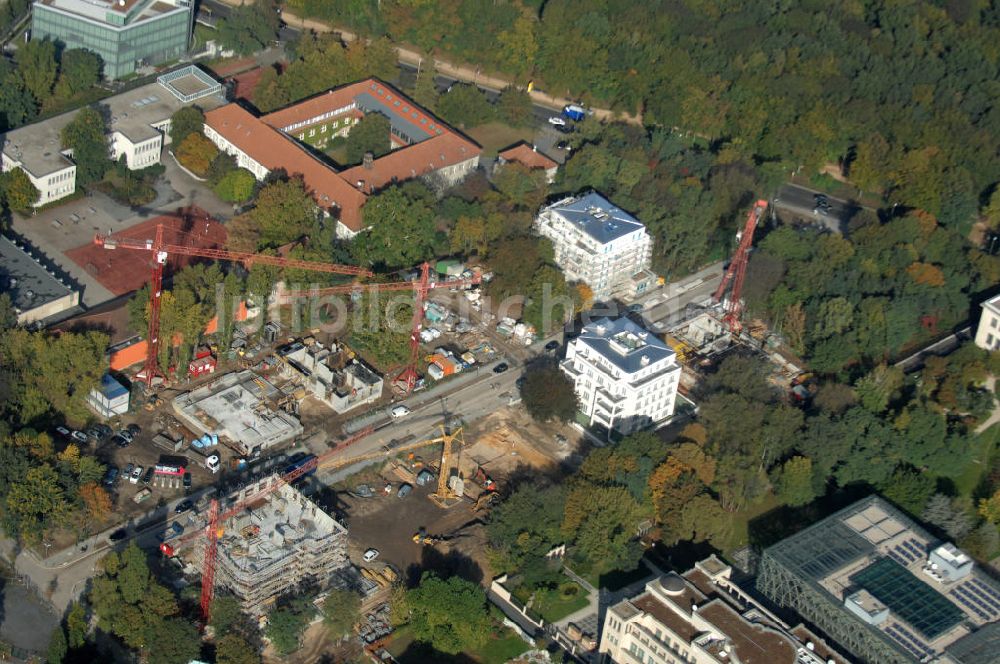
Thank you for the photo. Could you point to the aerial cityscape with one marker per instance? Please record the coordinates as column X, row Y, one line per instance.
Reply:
column 499, row 331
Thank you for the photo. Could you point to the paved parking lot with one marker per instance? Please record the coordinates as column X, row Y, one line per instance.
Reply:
column 58, row 229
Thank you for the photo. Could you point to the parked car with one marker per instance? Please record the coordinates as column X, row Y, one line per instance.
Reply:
column 93, row 434
column 399, row 411
column 173, row 531
column 136, row 474
column 551, row 346
column 500, row 368
column 404, row 490
column 124, row 433
column 111, row 476
column 148, row 477
column 564, row 129
column 187, row 480
column 370, row 555
column 134, row 430
column 128, row 470
column 62, row 431
column 557, row 121
column 519, row 383
column 120, row 441
column 118, row 535
column 183, row 506
column 563, row 145
column 78, row 436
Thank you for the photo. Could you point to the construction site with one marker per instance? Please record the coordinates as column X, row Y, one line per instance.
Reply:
column 275, row 544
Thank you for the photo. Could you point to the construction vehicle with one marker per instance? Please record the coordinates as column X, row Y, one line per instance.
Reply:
column 684, row 351
column 421, row 537
column 161, row 250
column 485, row 480
column 736, row 272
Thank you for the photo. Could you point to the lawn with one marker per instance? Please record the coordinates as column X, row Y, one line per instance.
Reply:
column 495, row 136
column 967, row 483
column 496, row 651
column 554, row 605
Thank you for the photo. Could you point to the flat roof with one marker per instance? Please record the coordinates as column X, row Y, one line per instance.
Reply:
column 98, row 10
column 875, row 546
column 110, row 388
column 597, row 217
column 236, row 406
column 281, row 526
column 22, row 276
column 38, row 147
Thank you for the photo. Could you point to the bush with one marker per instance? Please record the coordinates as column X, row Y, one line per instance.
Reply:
column 196, row 153
column 236, row 186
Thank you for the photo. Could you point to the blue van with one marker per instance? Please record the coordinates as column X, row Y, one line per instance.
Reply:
column 574, row 112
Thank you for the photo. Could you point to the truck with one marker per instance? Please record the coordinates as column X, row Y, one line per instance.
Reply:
column 207, row 458
column 165, row 442
column 142, row 495
column 174, row 530
column 574, row 112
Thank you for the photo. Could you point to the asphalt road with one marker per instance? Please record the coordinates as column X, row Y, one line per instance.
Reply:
column 800, row 202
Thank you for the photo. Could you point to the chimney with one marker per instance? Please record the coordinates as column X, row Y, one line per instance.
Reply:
column 369, row 161
column 534, row 148
column 361, row 183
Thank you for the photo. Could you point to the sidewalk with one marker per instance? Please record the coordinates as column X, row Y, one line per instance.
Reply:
column 457, row 71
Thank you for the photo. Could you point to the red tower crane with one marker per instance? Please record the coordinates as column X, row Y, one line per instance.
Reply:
column 160, row 250
column 736, row 272
column 215, row 517
column 407, row 376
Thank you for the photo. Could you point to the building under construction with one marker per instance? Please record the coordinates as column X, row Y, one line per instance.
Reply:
column 276, row 545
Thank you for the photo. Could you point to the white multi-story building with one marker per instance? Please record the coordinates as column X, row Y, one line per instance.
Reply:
column 138, row 128
column 625, row 377
column 703, row 617
column 988, row 332
column 596, row 243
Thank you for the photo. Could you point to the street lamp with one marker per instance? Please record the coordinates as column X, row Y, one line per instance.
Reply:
column 47, row 544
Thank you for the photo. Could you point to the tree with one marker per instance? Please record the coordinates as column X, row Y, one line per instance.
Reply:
column 186, row 121
column 525, row 526
column 249, row 28
column 8, row 316
column 236, row 186
column 35, row 504
column 910, row 489
column 284, row 627
column 96, row 500
column 87, row 136
column 514, row 106
column 21, row 195
column 524, row 187
column 371, row 134
column 449, row 614
column 549, row 394
column 425, row 91
column 233, row 649
column 57, row 646
column 196, row 153
column 942, row 512
column 284, row 212
column 400, row 230
column 76, row 625
column 79, row 70
column 794, row 483
column 36, row 63
column 341, row 610
column 989, row 508
column 226, row 613
column 172, row 641
column 465, row 106
column 982, row 542
column 875, row 390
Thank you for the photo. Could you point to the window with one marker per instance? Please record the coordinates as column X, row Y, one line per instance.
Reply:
column 312, row 132
column 322, row 129
column 989, row 339
column 993, row 322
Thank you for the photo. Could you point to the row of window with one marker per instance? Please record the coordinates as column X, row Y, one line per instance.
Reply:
column 62, row 177
column 335, row 125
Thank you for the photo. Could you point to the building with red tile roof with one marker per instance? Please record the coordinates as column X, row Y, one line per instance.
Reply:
column 529, row 157
column 422, row 146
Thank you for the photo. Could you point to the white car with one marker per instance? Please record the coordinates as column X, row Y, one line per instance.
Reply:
column 136, row 475
column 557, row 121
column 62, row 431
column 399, row 411
column 370, row 555
column 79, row 436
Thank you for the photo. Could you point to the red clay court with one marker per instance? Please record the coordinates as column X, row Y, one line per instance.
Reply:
column 124, row 270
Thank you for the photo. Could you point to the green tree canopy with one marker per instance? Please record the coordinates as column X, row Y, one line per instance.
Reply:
column 400, row 230
column 371, row 134
column 236, row 186
column 234, row 649
column 249, row 28
column 79, row 70
column 21, row 195
column 549, row 394
column 284, row 212
column 465, row 106
column 449, row 614
column 37, row 65
column 186, row 121
column 341, row 610
column 86, row 135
